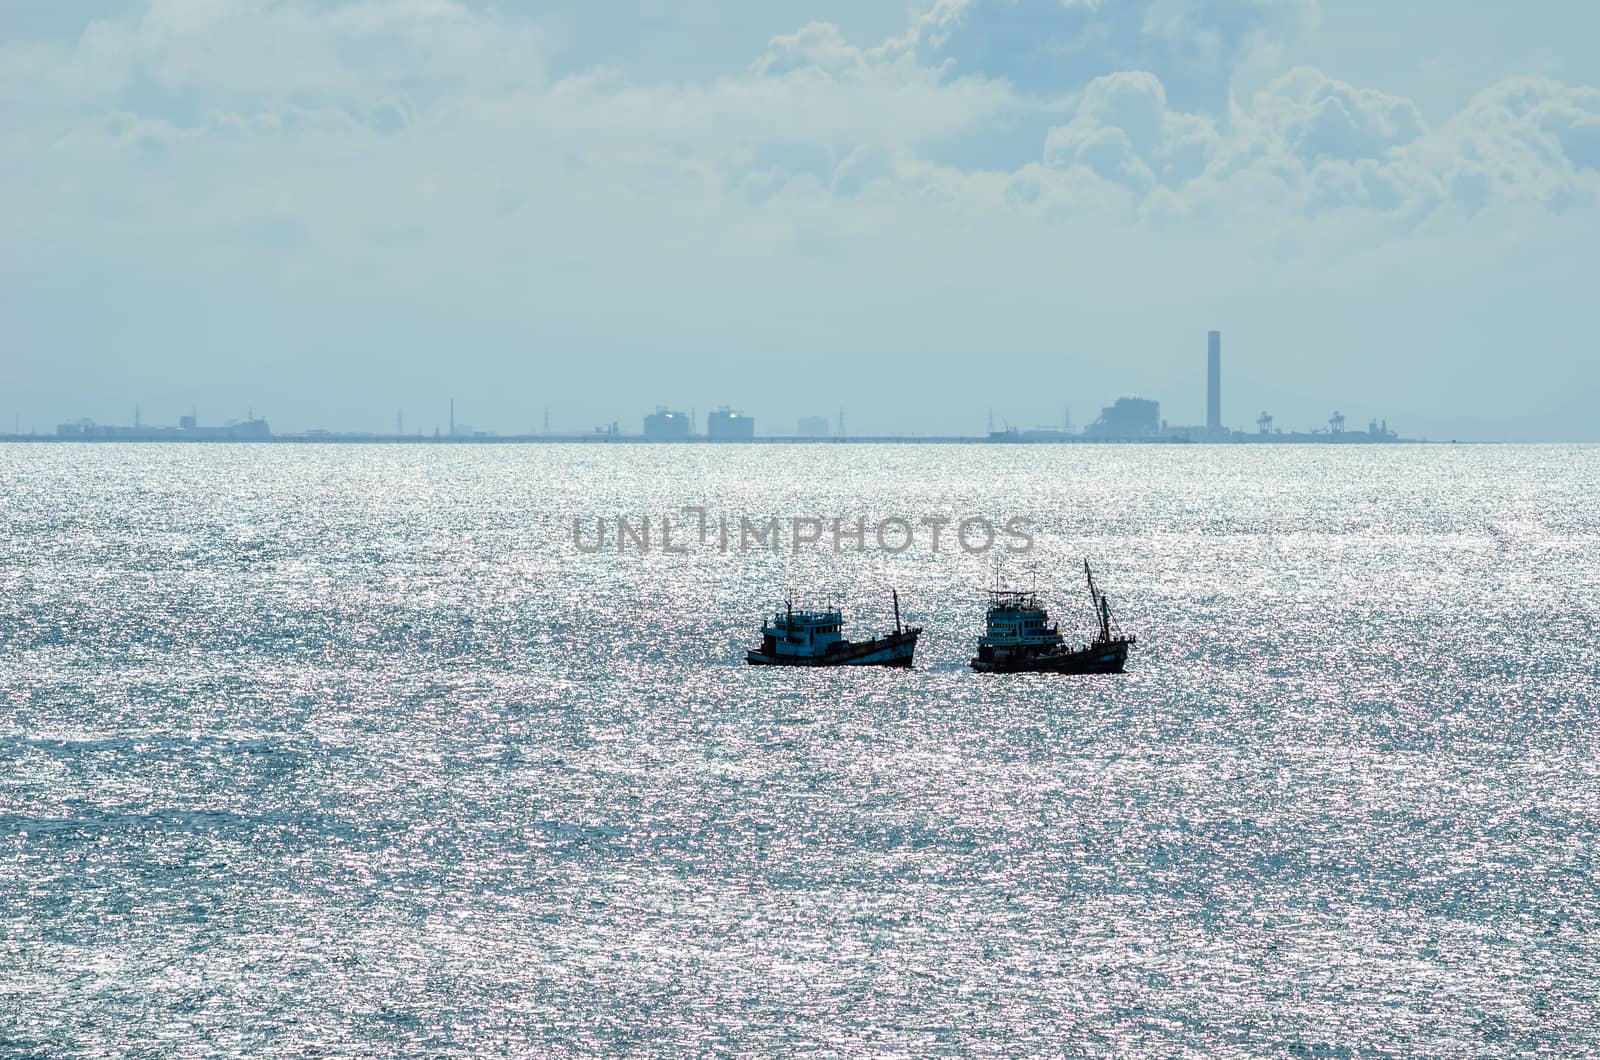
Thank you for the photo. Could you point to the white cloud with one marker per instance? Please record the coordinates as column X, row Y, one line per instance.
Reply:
column 1522, row 140
column 818, row 45
column 258, row 53
column 439, row 88
column 1309, row 145
column 1317, row 118
column 1122, row 126
column 1053, row 47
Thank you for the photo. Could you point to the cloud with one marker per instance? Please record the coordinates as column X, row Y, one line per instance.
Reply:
column 436, row 118
column 1309, row 145
column 1316, row 117
column 1054, row 47
column 1520, row 140
column 818, row 45
column 1123, row 130
column 1135, row 102
column 255, row 53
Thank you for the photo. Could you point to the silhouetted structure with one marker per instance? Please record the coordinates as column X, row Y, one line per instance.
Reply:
column 249, row 430
column 726, row 425
column 1129, row 419
column 664, row 425
column 1214, row 382
column 1032, row 434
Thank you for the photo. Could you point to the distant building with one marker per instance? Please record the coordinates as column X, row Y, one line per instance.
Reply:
column 1033, row 434
column 664, row 425
column 1214, row 382
column 250, row 430
column 1130, row 418
column 813, row 427
column 726, row 425
column 253, row 429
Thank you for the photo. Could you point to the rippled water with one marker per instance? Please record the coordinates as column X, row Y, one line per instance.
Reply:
column 351, row 750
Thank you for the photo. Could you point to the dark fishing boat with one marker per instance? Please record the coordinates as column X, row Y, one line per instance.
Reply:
column 815, row 638
column 1020, row 638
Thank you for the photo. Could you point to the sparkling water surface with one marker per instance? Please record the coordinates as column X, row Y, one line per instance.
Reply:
column 349, row 750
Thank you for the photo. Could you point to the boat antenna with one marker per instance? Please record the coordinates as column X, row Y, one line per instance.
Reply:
column 895, row 594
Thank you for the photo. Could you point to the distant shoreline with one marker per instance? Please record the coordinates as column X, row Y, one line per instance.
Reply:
column 1351, row 438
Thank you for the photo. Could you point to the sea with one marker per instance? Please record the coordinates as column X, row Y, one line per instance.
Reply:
column 438, row 750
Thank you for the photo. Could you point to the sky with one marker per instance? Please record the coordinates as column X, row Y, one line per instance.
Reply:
column 329, row 212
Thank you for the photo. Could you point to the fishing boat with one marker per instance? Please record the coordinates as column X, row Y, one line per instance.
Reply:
column 815, row 637
column 1019, row 637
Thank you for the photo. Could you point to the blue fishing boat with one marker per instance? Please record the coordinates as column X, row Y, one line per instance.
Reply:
column 815, row 637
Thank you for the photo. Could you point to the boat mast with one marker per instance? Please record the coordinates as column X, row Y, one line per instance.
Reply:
column 895, row 593
column 1102, row 608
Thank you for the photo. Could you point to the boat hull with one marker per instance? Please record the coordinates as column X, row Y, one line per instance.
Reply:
column 1106, row 657
column 895, row 649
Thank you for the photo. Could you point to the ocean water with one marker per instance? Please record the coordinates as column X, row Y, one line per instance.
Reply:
column 352, row 750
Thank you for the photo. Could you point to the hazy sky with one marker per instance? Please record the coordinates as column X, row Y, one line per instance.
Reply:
column 328, row 211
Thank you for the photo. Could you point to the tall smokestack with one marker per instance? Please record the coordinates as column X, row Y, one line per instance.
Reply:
column 1214, row 382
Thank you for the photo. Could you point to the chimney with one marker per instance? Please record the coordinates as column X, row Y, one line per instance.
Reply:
column 1214, row 382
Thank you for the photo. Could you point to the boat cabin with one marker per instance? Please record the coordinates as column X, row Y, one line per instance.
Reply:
column 1018, row 620
column 802, row 633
